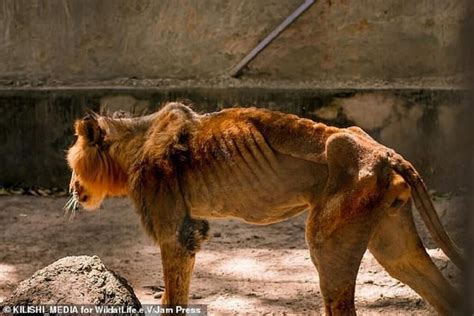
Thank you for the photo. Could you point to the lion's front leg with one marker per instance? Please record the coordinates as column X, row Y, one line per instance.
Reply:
column 177, row 255
column 167, row 220
column 178, row 264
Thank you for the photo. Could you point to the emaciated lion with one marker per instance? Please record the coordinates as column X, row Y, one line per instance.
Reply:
column 181, row 168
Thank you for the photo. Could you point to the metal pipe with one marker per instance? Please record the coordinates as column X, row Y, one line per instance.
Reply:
column 236, row 71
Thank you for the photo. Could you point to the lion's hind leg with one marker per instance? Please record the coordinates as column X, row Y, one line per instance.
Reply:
column 397, row 247
column 339, row 226
column 337, row 255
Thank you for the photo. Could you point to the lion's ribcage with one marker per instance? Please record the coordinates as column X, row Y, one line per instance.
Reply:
column 240, row 173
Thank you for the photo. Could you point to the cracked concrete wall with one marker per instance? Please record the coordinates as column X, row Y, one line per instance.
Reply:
column 426, row 128
column 369, row 40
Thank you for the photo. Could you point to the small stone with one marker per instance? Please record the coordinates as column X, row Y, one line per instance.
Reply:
column 17, row 191
column 43, row 192
column 32, row 192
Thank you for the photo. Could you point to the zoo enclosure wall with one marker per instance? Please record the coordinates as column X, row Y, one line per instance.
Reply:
column 392, row 67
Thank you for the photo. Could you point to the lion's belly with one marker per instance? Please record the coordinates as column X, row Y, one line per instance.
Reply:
column 253, row 192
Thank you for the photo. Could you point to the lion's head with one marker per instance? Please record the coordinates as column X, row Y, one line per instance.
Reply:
column 108, row 146
column 95, row 171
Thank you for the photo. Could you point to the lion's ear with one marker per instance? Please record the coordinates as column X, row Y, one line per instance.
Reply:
column 89, row 128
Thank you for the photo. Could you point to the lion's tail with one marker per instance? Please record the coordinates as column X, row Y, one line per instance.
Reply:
column 426, row 208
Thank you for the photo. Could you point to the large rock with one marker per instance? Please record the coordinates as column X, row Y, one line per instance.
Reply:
column 74, row 280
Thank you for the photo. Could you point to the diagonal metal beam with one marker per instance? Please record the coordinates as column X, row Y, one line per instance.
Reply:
column 237, row 70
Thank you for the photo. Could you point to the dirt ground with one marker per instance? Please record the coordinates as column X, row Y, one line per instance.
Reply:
column 242, row 269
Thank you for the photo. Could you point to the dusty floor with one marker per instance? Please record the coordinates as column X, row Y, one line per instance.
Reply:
column 243, row 268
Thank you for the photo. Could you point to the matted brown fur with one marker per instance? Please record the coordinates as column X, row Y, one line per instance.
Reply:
column 181, row 168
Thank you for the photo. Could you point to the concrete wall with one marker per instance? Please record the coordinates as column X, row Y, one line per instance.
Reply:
column 390, row 66
column 348, row 42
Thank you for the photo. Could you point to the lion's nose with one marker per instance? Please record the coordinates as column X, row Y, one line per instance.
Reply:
column 83, row 198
